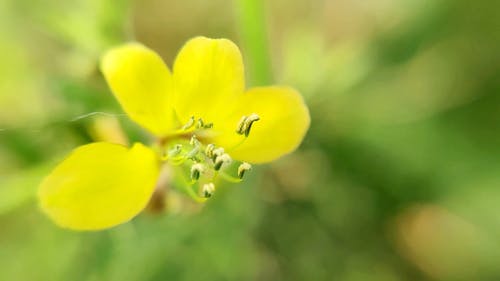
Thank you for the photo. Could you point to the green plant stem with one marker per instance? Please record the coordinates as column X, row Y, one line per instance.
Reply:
column 252, row 23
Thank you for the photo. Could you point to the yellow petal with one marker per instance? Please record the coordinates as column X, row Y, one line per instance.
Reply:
column 142, row 84
column 208, row 74
column 99, row 185
column 284, row 120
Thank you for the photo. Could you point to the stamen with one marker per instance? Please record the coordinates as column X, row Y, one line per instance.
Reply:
column 209, row 150
column 196, row 170
column 199, row 123
column 194, row 141
column 249, row 121
column 208, row 190
column 229, row 178
column 189, row 123
column 243, row 168
column 174, row 151
column 222, row 159
column 192, row 154
column 253, row 117
column 240, row 129
column 245, row 124
column 217, row 152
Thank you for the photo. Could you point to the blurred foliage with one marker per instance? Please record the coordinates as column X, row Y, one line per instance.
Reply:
column 398, row 178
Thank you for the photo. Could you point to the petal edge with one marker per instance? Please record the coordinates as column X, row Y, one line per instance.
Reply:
column 284, row 121
column 142, row 84
column 99, row 185
column 208, row 74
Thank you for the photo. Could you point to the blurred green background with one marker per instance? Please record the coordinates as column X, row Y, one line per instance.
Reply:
column 397, row 179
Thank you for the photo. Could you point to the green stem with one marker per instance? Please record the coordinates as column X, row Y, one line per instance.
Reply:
column 188, row 187
column 230, row 178
column 252, row 22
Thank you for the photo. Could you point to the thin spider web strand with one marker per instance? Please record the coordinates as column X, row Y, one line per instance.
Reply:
column 74, row 119
column 83, row 116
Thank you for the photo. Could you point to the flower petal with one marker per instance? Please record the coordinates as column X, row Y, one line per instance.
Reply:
column 284, row 120
column 208, row 74
column 99, row 185
column 141, row 83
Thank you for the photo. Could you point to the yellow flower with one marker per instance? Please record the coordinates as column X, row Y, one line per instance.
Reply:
column 101, row 185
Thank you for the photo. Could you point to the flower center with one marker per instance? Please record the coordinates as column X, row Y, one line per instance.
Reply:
column 201, row 164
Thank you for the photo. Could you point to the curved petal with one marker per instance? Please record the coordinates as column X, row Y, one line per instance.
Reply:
column 99, row 185
column 141, row 83
column 208, row 74
column 284, row 120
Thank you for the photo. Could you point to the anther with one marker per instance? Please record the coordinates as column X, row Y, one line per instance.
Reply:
column 249, row 121
column 220, row 160
column 192, row 154
column 243, row 168
column 189, row 123
column 196, row 170
column 240, row 129
column 208, row 190
column 209, row 150
column 174, row 151
column 194, row 141
column 199, row 123
column 217, row 152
